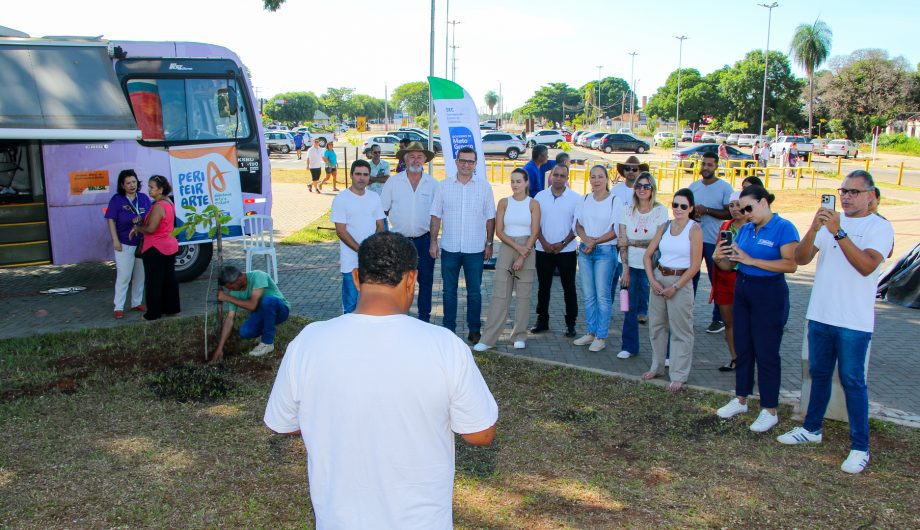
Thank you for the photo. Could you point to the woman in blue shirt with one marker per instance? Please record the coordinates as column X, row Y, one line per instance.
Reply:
column 126, row 210
column 763, row 253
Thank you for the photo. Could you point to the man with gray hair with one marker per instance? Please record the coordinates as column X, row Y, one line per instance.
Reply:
column 257, row 293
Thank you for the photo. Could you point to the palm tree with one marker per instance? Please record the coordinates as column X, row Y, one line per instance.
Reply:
column 810, row 47
column 491, row 100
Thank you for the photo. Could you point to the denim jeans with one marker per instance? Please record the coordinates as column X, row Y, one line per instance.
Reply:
column 425, row 276
column 270, row 312
column 708, row 249
column 760, row 311
column 451, row 262
column 829, row 346
column 596, row 273
column 638, row 292
column 349, row 293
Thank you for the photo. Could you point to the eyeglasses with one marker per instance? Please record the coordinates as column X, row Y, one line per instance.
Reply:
column 630, row 168
column 746, row 209
column 643, row 186
column 854, row 192
column 680, row 205
column 465, row 161
column 375, row 152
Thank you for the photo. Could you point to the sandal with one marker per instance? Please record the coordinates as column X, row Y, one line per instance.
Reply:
column 648, row 376
column 728, row 367
column 675, row 387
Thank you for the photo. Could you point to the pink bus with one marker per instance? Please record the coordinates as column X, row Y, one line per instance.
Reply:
column 76, row 111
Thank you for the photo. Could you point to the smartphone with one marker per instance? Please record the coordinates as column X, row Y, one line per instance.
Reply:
column 725, row 236
column 829, row 201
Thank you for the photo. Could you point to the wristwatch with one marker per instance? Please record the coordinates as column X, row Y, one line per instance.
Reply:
column 840, row 235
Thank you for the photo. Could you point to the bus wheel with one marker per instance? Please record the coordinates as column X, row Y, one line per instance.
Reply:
column 192, row 260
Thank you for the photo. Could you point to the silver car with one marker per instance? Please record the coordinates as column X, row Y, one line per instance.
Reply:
column 746, row 140
column 387, row 142
column 710, row 136
column 502, row 143
column 844, row 148
column 281, row 141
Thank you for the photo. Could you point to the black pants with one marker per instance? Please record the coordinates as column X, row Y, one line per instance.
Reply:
column 546, row 264
column 160, row 284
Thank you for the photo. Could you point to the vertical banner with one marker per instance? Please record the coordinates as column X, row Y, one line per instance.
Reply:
column 203, row 175
column 458, row 122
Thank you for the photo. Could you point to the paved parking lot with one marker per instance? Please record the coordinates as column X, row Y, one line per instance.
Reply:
column 310, row 279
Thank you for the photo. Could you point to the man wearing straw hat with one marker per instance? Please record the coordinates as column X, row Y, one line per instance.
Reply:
column 406, row 199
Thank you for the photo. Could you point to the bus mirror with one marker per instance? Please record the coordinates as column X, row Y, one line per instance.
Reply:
column 227, row 103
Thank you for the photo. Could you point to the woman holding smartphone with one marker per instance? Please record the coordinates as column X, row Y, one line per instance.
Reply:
column 723, row 282
column 764, row 252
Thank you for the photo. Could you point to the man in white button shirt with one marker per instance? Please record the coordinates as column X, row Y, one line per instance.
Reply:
column 465, row 207
column 556, row 248
column 406, row 199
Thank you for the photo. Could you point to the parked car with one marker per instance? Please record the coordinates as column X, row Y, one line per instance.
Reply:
column 280, row 141
column 578, row 135
column 687, row 135
column 585, row 140
column 388, row 143
column 502, row 143
column 550, row 137
column 817, row 145
column 844, row 148
column 783, row 143
column 710, row 136
column 624, row 130
column 661, row 136
column 696, row 151
column 416, row 136
column 698, row 136
column 596, row 143
column 488, row 124
column 746, row 140
column 623, row 142
column 567, row 135
column 309, row 135
column 722, row 137
column 732, row 139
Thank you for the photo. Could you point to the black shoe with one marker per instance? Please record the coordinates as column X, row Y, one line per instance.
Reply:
column 539, row 328
column 474, row 337
column 716, row 327
column 570, row 331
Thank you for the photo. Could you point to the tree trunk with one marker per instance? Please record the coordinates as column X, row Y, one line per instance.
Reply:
column 811, row 100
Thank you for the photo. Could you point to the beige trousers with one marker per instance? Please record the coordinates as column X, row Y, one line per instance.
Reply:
column 674, row 316
column 506, row 280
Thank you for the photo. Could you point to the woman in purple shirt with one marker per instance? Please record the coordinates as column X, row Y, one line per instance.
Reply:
column 126, row 209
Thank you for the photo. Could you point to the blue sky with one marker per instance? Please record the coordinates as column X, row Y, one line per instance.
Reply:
column 521, row 44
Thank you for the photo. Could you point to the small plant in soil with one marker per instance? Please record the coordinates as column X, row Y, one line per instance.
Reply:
column 189, row 382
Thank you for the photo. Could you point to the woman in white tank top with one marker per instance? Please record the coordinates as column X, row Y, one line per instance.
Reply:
column 671, row 304
column 517, row 223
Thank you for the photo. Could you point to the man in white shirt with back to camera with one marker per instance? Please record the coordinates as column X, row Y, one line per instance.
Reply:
column 851, row 248
column 378, row 409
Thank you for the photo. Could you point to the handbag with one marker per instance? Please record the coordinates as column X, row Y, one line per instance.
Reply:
column 656, row 256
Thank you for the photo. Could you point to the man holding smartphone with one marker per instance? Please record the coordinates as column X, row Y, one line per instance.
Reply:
column 841, row 312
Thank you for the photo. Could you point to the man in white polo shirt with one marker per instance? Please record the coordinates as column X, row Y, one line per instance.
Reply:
column 406, row 199
column 467, row 208
column 378, row 409
column 357, row 214
column 556, row 248
column 841, row 312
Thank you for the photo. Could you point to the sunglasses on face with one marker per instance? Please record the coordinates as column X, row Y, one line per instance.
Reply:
column 630, row 168
column 643, row 186
column 746, row 209
column 682, row 206
column 854, row 192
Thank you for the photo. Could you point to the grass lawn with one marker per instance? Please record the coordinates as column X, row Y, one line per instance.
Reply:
column 87, row 443
column 319, row 231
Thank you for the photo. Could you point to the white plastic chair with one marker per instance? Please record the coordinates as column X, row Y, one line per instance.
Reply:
column 257, row 230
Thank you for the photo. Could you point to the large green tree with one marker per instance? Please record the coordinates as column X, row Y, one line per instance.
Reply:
column 548, row 101
column 364, row 105
column 742, row 87
column 810, row 47
column 699, row 96
column 411, row 97
column 614, row 97
column 491, row 99
column 289, row 107
column 337, row 101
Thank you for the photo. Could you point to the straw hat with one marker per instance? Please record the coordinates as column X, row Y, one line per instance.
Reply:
column 414, row 146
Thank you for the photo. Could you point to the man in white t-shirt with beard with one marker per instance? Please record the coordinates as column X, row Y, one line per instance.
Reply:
column 841, row 312
column 377, row 397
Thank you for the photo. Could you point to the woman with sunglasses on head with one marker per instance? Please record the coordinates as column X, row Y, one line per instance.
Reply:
column 159, row 249
column 671, row 305
column 763, row 252
column 517, row 223
column 723, row 281
column 596, row 220
column 639, row 224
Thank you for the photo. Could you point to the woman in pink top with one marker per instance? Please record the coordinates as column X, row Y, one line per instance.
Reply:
column 159, row 251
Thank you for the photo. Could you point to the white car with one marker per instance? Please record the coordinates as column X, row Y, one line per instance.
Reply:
column 686, row 135
column 844, row 148
column 585, row 140
column 624, row 130
column 661, row 136
column 387, row 142
column 548, row 137
column 746, row 140
column 502, row 143
column 281, row 141
column 710, row 136
column 488, row 124
column 783, row 143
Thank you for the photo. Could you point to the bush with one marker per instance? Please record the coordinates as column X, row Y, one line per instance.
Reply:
column 191, row 383
column 667, row 143
column 899, row 143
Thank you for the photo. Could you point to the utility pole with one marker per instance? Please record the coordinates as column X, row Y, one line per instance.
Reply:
column 430, row 102
column 500, row 103
column 446, row 35
column 632, row 100
column 766, row 63
column 680, row 56
column 386, row 109
column 453, row 46
column 599, row 111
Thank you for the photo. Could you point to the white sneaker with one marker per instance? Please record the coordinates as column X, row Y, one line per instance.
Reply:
column 584, row 340
column 519, row 345
column 731, row 409
column 667, row 362
column 856, row 462
column 597, row 345
column 262, row 349
column 799, row 435
column 765, row 421
column 624, row 355
column 480, row 347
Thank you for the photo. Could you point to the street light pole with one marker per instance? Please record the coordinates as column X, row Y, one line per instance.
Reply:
column 680, row 57
column 632, row 100
column 766, row 63
column 446, row 36
column 453, row 47
column 430, row 102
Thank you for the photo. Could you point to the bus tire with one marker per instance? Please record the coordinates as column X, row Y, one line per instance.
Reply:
column 192, row 260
